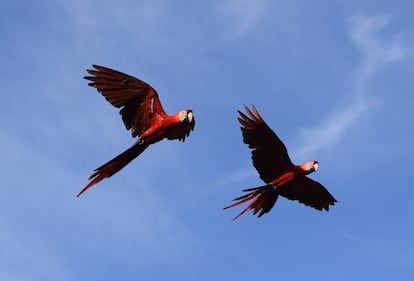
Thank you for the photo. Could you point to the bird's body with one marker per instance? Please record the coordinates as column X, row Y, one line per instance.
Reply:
column 282, row 177
column 142, row 113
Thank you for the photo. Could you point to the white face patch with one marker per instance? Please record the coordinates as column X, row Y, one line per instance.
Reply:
column 183, row 115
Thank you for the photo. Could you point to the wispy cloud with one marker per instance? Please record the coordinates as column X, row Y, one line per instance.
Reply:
column 241, row 15
column 377, row 51
column 125, row 15
column 365, row 33
column 232, row 178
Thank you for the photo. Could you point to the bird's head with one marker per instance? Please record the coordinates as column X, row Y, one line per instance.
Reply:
column 310, row 166
column 186, row 116
column 183, row 124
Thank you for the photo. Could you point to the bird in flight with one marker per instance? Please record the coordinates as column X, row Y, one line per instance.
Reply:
column 141, row 112
column 282, row 177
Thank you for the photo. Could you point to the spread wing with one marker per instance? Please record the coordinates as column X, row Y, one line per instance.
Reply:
column 139, row 102
column 269, row 154
column 309, row 192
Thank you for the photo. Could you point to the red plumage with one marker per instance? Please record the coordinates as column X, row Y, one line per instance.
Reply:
column 141, row 112
column 282, row 177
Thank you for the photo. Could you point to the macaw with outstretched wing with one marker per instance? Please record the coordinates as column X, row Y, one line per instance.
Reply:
column 142, row 113
column 282, row 177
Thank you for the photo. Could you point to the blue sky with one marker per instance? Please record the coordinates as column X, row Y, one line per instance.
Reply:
column 333, row 78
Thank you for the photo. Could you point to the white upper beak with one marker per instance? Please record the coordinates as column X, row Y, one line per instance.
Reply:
column 190, row 117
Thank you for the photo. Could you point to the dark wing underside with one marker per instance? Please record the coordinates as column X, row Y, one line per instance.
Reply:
column 181, row 132
column 309, row 192
column 269, row 154
column 139, row 102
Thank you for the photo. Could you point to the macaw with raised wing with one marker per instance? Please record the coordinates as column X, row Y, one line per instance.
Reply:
column 142, row 113
column 282, row 177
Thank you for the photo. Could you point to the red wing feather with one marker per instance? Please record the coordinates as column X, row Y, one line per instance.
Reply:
column 269, row 154
column 308, row 192
column 139, row 102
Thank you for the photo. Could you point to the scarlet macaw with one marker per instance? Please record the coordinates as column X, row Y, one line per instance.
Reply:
column 282, row 177
column 141, row 112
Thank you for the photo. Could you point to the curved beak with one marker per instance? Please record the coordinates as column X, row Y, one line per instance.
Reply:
column 190, row 117
column 315, row 167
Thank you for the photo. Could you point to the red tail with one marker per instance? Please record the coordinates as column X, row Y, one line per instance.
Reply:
column 115, row 165
column 264, row 198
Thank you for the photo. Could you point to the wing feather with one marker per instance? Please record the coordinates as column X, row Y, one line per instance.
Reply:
column 139, row 102
column 269, row 154
column 308, row 192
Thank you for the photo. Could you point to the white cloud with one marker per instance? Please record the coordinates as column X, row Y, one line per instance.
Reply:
column 327, row 134
column 377, row 52
column 364, row 32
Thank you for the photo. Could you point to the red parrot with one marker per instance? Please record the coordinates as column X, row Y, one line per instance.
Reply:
column 282, row 177
column 142, row 113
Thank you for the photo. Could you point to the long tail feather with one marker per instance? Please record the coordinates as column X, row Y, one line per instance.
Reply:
column 264, row 198
column 115, row 165
column 241, row 199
